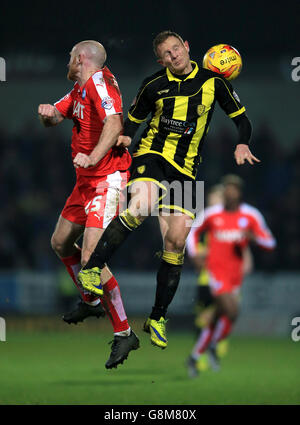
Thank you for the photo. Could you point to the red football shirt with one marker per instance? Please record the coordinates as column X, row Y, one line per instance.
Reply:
column 228, row 234
column 88, row 106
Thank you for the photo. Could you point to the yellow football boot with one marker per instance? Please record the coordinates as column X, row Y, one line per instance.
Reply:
column 90, row 280
column 157, row 330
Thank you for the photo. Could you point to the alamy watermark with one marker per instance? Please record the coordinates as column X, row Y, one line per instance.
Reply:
column 162, row 197
column 295, row 335
column 295, row 74
column 2, row 330
column 2, row 69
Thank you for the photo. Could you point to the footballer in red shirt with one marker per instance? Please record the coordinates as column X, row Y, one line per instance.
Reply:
column 89, row 107
column 95, row 106
column 229, row 227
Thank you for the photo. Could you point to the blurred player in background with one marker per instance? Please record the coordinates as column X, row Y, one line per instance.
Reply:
column 95, row 106
column 205, row 303
column 180, row 99
column 229, row 226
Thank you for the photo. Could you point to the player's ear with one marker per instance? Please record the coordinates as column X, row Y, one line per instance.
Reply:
column 186, row 44
column 160, row 61
column 79, row 59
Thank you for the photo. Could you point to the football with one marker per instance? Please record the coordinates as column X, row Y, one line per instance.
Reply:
column 224, row 60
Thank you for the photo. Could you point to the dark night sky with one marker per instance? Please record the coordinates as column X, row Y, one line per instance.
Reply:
column 258, row 28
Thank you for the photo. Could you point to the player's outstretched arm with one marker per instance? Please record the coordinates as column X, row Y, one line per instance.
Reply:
column 49, row 115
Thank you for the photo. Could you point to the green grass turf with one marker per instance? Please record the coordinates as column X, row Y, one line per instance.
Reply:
column 68, row 368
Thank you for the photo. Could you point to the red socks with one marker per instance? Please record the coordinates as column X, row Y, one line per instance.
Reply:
column 222, row 329
column 73, row 265
column 212, row 335
column 111, row 299
column 113, row 304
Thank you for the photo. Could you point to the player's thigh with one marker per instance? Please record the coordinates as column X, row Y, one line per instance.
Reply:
column 65, row 235
column 174, row 229
column 101, row 207
column 143, row 198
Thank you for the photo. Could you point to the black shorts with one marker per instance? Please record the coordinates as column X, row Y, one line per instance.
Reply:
column 177, row 191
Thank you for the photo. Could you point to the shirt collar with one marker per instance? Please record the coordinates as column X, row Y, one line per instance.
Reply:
column 80, row 88
column 172, row 77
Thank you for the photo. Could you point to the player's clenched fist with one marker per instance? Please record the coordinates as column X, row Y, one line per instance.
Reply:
column 124, row 141
column 47, row 111
column 82, row 160
column 49, row 115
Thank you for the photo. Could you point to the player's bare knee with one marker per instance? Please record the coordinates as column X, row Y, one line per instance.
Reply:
column 57, row 245
column 176, row 244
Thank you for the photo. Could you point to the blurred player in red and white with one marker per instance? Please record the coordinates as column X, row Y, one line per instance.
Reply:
column 205, row 302
column 95, row 106
column 229, row 226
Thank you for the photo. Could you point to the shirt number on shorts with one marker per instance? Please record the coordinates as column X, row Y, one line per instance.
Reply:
column 93, row 205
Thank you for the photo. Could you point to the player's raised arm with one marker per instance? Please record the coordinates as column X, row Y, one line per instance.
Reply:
column 111, row 130
column 49, row 115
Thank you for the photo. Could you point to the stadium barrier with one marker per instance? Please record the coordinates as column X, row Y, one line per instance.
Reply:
column 269, row 302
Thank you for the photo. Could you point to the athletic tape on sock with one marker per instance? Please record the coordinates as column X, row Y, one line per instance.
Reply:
column 173, row 257
column 129, row 220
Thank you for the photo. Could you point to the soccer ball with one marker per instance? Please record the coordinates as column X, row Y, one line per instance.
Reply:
column 224, row 60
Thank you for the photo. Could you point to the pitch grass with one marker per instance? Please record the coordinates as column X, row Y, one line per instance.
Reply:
column 67, row 367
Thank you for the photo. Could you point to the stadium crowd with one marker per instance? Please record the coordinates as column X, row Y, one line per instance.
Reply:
column 37, row 175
